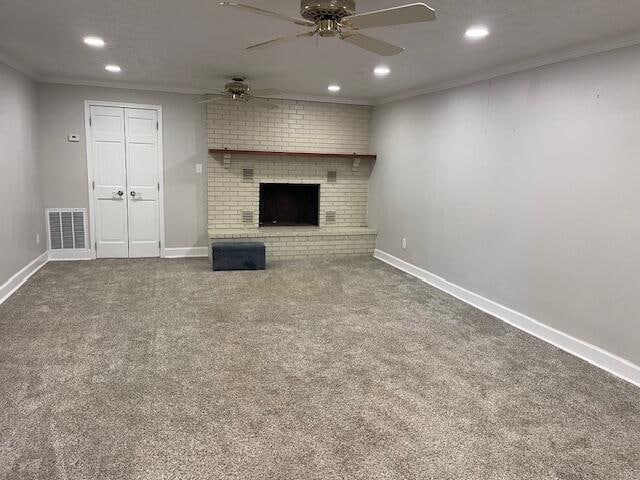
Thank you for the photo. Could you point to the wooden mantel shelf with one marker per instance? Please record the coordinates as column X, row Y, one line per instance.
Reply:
column 263, row 153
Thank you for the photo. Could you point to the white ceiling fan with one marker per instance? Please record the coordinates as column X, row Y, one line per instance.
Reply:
column 337, row 18
column 238, row 90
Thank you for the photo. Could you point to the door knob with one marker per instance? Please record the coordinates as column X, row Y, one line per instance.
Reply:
column 133, row 193
column 120, row 193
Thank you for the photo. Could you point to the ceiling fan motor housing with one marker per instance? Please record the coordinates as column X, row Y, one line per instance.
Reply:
column 335, row 10
column 237, row 87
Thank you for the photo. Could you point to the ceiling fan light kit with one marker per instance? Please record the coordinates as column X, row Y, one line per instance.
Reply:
column 238, row 90
column 338, row 18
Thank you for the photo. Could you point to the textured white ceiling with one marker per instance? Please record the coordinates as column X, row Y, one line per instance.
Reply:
column 196, row 43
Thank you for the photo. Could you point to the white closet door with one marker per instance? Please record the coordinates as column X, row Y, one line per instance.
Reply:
column 143, row 175
column 110, row 181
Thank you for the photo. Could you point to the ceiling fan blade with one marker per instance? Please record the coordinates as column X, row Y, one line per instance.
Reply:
column 212, row 99
column 412, row 13
column 281, row 41
column 268, row 13
column 372, row 44
column 261, row 102
column 212, row 91
column 265, row 92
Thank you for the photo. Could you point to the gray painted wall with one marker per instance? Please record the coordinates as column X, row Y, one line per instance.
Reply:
column 61, row 111
column 21, row 211
column 526, row 190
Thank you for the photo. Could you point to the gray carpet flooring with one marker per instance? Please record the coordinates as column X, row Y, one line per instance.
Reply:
column 161, row 369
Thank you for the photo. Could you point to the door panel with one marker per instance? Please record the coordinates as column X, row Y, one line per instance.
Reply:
column 109, row 167
column 143, row 218
column 142, row 167
column 112, row 229
column 142, row 157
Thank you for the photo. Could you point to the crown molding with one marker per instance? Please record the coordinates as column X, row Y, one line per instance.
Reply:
column 192, row 90
column 527, row 64
column 151, row 87
column 324, row 99
column 18, row 66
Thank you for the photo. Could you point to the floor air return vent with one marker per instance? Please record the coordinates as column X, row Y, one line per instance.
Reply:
column 67, row 233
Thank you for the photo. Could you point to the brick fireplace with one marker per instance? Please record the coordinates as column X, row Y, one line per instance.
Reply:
column 289, row 205
column 237, row 181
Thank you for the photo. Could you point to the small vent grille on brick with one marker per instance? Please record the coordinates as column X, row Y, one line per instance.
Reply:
column 332, row 176
column 66, row 229
column 247, row 217
column 331, row 217
column 247, row 174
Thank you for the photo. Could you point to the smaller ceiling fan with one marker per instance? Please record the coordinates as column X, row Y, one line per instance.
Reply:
column 238, row 90
column 338, row 18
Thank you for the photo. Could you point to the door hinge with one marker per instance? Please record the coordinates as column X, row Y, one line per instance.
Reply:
column 158, row 186
column 96, row 245
column 89, row 121
column 93, row 185
column 157, row 125
column 159, row 245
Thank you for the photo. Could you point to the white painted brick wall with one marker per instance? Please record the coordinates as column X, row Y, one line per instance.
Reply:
column 296, row 126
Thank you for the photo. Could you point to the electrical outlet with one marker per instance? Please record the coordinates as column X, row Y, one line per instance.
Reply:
column 37, row 239
column 404, row 243
column 198, row 168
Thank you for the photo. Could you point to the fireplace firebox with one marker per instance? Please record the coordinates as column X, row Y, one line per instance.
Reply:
column 289, row 205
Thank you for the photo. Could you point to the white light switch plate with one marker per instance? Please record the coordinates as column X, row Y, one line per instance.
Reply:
column 73, row 137
column 198, row 168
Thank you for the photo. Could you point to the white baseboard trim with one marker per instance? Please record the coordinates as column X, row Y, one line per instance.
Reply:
column 17, row 280
column 595, row 355
column 69, row 255
column 186, row 252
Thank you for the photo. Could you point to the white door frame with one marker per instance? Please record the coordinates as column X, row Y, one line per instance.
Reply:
column 88, row 139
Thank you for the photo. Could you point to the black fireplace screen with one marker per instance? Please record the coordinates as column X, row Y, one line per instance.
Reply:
column 289, row 204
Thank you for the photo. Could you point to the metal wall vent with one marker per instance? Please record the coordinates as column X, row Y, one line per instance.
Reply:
column 247, row 174
column 330, row 217
column 67, row 229
column 247, row 217
column 332, row 176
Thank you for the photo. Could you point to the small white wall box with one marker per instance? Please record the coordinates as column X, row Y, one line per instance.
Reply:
column 73, row 137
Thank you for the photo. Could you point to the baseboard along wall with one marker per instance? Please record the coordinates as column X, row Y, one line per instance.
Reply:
column 595, row 355
column 69, row 255
column 186, row 252
column 20, row 277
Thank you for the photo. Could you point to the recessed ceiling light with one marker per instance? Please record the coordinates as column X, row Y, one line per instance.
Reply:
column 382, row 71
column 94, row 41
column 476, row 32
column 334, row 88
column 113, row 68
